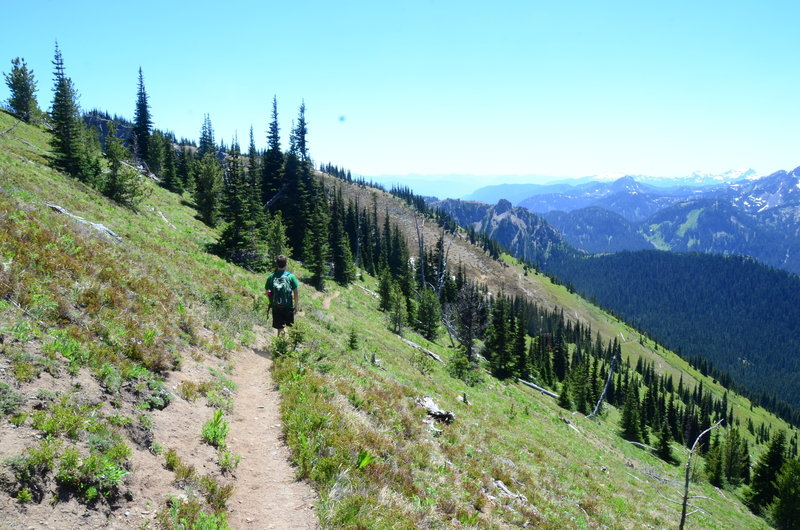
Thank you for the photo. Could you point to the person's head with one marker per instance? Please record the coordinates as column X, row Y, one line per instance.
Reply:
column 280, row 262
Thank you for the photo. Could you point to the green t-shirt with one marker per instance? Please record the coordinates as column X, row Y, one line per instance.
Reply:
column 281, row 285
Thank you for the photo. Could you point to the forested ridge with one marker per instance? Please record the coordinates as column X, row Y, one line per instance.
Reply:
column 731, row 316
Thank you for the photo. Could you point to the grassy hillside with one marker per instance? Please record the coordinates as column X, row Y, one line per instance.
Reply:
column 120, row 318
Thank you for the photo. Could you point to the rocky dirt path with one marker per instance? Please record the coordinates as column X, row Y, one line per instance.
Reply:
column 267, row 494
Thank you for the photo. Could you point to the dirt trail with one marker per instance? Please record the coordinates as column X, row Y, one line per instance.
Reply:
column 326, row 303
column 267, row 494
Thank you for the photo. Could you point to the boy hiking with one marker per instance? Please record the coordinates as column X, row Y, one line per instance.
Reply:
column 282, row 291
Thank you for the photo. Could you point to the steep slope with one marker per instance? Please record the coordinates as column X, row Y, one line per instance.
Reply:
column 350, row 387
column 114, row 354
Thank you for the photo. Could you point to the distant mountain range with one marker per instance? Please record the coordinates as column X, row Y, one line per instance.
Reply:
column 749, row 216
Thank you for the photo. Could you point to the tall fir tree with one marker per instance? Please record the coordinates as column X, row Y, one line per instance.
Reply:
column 206, row 144
column 208, row 189
column 142, row 123
column 22, row 87
column 630, row 428
column 341, row 256
column 428, row 313
column 317, row 248
column 785, row 511
column 170, row 178
column 762, row 485
column 71, row 153
column 272, row 165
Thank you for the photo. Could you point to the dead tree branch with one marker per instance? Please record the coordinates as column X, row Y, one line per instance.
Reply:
column 684, row 515
column 599, row 405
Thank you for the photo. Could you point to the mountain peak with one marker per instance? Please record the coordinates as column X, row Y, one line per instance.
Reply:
column 502, row 207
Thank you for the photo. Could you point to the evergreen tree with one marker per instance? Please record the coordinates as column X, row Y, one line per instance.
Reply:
column 762, row 487
column 785, row 511
column 186, row 170
column 122, row 184
column 714, row 463
column 560, row 359
column 142, row 123
column 170, row 178
column 428, row 314
column 664, row 448
column 317, row 249
column 498, row 339
column 519, row 351
column 22, row 86
column 71, row 153
column 629, row 424
column 397, row 312
column 208, row 189
column 271, row 168
column 343, row 268
column 384, row 289
column 206, row 144
column 564, row 399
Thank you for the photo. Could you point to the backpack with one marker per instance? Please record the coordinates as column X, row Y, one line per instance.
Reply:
column 282, row 290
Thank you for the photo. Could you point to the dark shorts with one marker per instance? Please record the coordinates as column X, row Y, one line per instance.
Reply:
column 282, row 316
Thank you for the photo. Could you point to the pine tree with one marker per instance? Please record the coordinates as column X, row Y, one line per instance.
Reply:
column 208, row 190
column 384, row 289
column 206, row 145
column 428, row 314
column 271, row 168
column 785, row 511
column 343, row 269
column 519, row 351
column 22, row 85
column 186, row 170
column 71, row 152
column 564, row 399
column 630, row 429
column 122, row 184
column 142, row 123
column 498, row 339
column 560, row 359
column 762, row 486
column 714, row 463
column 170, row 178
column 397, row 312
column 664, row 448
column 317, row 249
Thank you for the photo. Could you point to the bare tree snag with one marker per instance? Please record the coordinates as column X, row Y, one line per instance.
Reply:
column 599, row 405
column 421, row 243
column 686, row 497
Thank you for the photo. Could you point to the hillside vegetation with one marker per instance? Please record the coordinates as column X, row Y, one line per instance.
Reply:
column 92, row 328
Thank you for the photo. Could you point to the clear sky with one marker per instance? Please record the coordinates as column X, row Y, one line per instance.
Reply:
column 446, row 87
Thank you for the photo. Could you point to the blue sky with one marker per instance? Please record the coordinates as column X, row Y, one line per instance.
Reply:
column 495, row 89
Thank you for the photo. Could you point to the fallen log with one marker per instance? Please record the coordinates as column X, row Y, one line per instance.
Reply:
column 97, row 226
column 418, row 347
column 537, row 387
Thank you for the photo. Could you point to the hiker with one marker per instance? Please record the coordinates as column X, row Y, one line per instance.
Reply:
column 282, row 291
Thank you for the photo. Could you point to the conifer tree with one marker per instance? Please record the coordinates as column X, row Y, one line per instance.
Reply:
column 762, row 486
column 397, row 311
column 206, row 144
column 564, row 397
column 186, row 170
column 170, row 178
column 664, row 449
column 428, row 314
column 208, row 189
column 714, row 463
column 22, row 86
column 71, row 152
column 785, row 511
column 122, row 184
column 343, row 268
column 560, row 359
column 520, row 351
column 317, row 249
column 498, row 339
column 629, row 424
column 271, row 180
column 142, row 123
